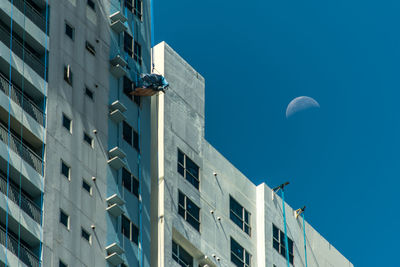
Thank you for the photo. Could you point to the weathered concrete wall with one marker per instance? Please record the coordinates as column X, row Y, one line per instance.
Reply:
column 183, row 128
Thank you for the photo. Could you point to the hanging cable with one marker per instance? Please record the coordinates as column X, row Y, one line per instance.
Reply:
column 284, row 223
column 305, row 240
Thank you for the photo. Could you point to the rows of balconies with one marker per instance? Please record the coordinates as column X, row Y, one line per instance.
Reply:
column 15, row 246
column 25, row 52
column 21, row 199
column 22, row 149
column 21, row 99
column 33, row 12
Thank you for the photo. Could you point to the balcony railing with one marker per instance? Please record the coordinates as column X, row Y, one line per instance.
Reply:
column 34, row 15
column 15, row 247
column 18, row 97
column 32, row 60
column 27, row 204
column 21, row 149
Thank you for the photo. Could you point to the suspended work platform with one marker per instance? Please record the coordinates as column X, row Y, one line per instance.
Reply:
column 150, row 84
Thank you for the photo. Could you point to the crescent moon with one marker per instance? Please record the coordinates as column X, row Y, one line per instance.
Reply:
column 299, row 104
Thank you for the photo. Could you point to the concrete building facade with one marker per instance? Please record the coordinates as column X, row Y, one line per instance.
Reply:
column 208, row 212
column 75, row 144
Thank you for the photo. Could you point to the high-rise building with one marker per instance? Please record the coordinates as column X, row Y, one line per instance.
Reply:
column 208, row 212
column 75, row 144
column 94, row 174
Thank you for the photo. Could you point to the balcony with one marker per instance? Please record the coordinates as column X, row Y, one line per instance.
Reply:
column 17, row 248
column 22, row 100
column 26, row 153
column 26, row 205
column 32, row 13
column 22, row 52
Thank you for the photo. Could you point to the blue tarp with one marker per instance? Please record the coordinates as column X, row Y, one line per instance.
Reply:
column 154, row 81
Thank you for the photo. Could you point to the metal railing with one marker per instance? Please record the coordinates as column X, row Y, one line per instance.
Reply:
column 18, row 249
column 21, row 149
column 34, row 15
column 27, row 204
column 32, row 60
column 18, row 97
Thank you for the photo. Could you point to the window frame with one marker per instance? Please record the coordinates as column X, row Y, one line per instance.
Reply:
column 65, row 117
column 89, row 189
column 242, row 258
column 72, row 28
column 186, row 211
column 134, row 136
column 62, row 212
column 242, row 217
column 177, row 255
column 91, row 93
column 88, row 139
column 133, row 235
column 63, row 163
column 88, row 238
column 133, row 182
column 68, row 75
column 61, row 263
column 128, row 46
column 90, row 48
column 281, row 244
column 137, row 52
column 196, row 180
column 91, row 4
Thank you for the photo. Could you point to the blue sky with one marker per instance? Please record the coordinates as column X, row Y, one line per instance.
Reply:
column 343, row 159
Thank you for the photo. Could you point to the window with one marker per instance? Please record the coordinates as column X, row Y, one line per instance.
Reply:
column 188, row 169
column 88, row 139
column 239, row 256
column 130, row 182
column 89, row 93
column 135, row 6
column 278, row 242
column 239, row 215
column 87, row 187
column 85, row 235
column 189, row 211
column 181, row 256
column 64, row 219
column 136, row 99
column 128, row 87
column 130, row 135
column 137, row 56
column 129, row 230
column 69, row 31
column 66, row 122
column 128, row 44
column 62, row 264
column 68, row 75
column 90, row 48
column 91, row 4
column 65, row 169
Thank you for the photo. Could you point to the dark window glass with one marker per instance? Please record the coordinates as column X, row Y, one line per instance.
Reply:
column 189, row 211
column 239, row 215
column 130, row 182
column 91, row 4
column 137, row 53
column 125, row 227
column 127, row 87
column 181, row 256
column 89, row 93
column 138, row 8
column 90, row 48
column 85, row 235
column 136, row 99
column 128, row 44
column 66, row 123
column 69, row 31
column 68, row 75
column 62, row 264
column 65, row 169
column 129, row 230
column 188, row 169
column 127, row 132
column 88, row 139
column 239, row 256
column 129, row 5
column 86, row 186
column 279, row 243
column 64, row 219
column 136, row 140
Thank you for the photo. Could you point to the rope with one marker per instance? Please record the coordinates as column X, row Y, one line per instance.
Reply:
column 305, row 242
column 284, row 223
column 9, row 129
